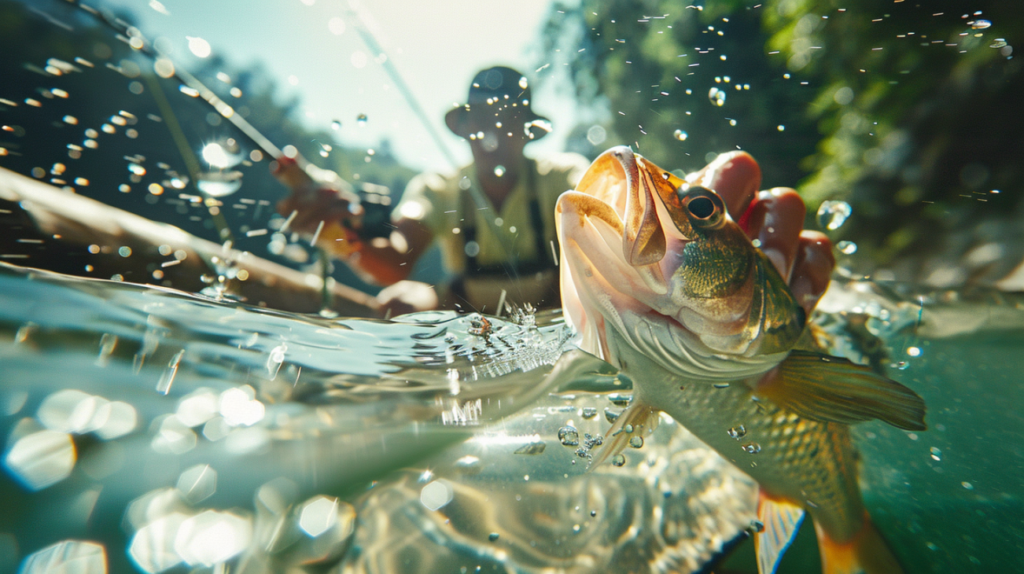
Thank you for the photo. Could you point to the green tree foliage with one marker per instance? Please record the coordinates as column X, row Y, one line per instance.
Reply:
column 909, row 111
column 653, row 66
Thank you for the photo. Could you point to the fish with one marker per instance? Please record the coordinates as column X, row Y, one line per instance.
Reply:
column 659, row 281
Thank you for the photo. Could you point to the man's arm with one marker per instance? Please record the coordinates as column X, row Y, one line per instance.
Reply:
column 335, row 213
column 389, row 260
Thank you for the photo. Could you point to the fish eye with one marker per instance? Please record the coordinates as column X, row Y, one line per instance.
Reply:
column 701, row 207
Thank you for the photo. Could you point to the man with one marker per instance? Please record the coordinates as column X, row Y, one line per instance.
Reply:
column 494, row 219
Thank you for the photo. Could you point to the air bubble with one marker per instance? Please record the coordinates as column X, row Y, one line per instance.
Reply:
column 680, row 135
column 751, row 448
column 499, row 170
column 636, row 442
column 619, row 460
column 737, row 432
column 936, row 453
column 361, row 120
column 569, row 436
column 847, row 247
column 833, row 214
column 980, row 24
column 717, row 97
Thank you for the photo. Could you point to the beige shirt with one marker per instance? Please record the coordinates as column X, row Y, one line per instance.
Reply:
column 438, row 201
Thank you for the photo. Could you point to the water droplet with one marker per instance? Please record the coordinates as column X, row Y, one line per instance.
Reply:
column 833, row 214
column 619, row 460
column 219, row 183
column 41, row 458
column 980, row 24
column 67, row 556
column 540, row 125
column 620, row 400
column 589, row 412
column 199, row 47
column 569, row 436
column 737, row 432
column 499, row 170
column 751, row 448
column 493, row 536
column 197, row 483
column 717, row 97
column 847, row 247
column 636, row 442
column 680, row 135
column 936, row 453
column 532, row 448
column 361, row 120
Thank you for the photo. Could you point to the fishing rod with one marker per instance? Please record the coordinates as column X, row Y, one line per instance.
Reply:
column 139, row 43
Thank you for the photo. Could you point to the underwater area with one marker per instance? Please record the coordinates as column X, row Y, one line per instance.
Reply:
column 186, row 385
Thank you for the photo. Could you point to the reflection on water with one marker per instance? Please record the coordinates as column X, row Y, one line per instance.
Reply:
column 152, row 430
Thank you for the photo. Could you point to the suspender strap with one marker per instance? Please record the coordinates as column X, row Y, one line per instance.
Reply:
column 539, row 263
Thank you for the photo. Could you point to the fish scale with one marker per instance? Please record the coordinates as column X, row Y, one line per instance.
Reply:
column 808, row 462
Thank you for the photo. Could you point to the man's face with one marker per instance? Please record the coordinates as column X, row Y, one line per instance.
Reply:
column 496, row 129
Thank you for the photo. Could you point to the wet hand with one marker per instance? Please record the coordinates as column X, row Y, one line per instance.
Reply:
column 774, row 218
column 311, row 202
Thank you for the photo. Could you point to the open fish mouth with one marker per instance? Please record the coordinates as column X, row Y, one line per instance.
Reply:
column 623, row 233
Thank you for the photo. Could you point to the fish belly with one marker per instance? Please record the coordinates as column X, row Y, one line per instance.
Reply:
column 809, row 463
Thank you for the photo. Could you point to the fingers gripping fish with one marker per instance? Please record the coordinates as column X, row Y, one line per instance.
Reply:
column 662, row 283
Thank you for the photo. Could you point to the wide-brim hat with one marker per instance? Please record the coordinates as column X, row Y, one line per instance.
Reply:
column 502, row 87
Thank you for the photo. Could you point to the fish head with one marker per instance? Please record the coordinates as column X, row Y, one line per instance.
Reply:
column 662, row 263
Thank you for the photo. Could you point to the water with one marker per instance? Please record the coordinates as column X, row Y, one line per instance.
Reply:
column 158, row 421
column 161, row 424
column 146, row 429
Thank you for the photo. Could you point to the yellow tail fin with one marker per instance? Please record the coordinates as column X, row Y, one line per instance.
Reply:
column 865, row 553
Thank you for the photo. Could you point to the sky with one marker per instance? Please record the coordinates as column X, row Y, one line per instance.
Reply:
column 313, row 50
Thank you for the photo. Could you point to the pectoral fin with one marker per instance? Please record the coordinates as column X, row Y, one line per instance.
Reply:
column 638, row 420
column 780, row 521
column 831, row 389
